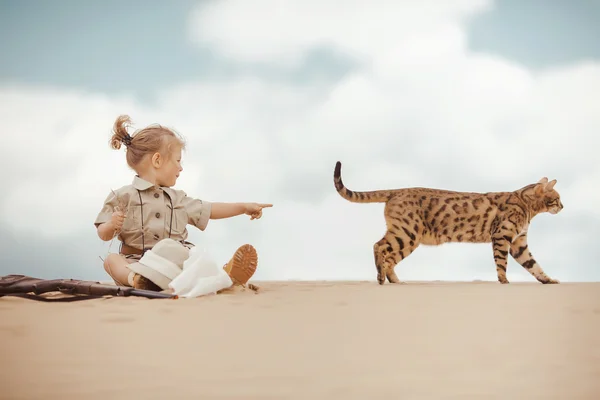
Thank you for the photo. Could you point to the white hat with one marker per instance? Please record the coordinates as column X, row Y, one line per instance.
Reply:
column 163, row 263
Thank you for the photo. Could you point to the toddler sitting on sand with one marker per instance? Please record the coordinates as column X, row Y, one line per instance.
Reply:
column 149, row 210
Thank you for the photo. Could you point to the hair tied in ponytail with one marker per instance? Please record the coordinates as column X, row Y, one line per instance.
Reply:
column 149, row 140
column 127, row 140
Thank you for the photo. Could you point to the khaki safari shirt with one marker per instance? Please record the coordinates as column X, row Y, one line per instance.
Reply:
column 154, row 212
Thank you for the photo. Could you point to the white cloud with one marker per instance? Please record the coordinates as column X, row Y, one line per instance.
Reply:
column 280, row 31
column 420, row 110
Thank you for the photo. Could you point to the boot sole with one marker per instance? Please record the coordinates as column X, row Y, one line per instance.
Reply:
column 243, row 264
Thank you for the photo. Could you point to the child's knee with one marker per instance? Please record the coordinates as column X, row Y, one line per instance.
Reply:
column 111, row 261
column 107, row 263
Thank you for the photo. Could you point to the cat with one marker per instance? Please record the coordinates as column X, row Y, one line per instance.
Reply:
column 424, row 216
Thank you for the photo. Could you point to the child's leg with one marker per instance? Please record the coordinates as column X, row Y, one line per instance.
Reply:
column 117, row 267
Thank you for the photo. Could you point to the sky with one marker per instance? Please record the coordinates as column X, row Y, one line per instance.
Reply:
column 473, row 95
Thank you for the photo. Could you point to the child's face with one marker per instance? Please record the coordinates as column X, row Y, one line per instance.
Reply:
column 168, row 172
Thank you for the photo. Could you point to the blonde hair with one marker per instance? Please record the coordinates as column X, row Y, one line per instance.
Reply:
column 147, row 141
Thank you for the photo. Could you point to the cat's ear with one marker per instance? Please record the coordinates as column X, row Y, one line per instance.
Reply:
column 540, row 186
column 550, row 185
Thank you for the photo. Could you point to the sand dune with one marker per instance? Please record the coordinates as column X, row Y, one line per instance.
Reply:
column 311, row 340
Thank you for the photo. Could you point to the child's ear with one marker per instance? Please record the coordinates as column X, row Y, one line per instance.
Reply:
column 156, row 160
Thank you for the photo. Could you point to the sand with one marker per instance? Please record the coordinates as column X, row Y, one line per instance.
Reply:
column 311, row 340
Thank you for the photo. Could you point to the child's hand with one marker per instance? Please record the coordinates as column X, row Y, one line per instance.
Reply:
column 255, row 209
column 117, row 219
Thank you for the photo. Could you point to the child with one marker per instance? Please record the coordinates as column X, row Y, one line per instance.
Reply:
column 150, row 210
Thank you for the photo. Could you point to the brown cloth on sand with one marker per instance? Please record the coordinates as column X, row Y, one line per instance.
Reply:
column 33, row 288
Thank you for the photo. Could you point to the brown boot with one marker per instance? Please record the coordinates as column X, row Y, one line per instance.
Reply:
column 242, row 265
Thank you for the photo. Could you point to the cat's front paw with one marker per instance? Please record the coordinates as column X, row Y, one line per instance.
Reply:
column 552, row 281
column 381, row 275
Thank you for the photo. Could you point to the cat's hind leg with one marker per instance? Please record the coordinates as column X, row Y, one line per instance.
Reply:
column 389, row 251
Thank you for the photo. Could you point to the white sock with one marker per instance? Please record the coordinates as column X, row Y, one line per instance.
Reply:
column 130, row 278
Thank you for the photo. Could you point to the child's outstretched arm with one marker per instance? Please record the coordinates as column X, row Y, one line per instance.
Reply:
column 228, row 210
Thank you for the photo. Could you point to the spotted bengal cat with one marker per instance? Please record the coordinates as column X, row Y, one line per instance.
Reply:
column 427, row 216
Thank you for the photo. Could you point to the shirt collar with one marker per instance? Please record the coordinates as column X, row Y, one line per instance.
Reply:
column 142, row 184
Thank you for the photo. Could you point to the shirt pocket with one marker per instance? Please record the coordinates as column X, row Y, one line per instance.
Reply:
column 179, row 220
column 133, row 219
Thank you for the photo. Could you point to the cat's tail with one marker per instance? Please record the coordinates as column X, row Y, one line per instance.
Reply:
column 377, row 196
